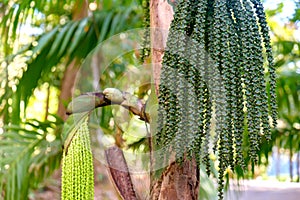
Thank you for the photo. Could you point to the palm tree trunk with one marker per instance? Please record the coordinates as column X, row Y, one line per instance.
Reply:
column 298, row 167
column 178, row 181
column 67, row 86
column 291, row 156
column 47, row 102
column 277, row 167
column 291, row 165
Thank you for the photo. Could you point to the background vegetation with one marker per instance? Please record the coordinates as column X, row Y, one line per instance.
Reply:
column 43, row 45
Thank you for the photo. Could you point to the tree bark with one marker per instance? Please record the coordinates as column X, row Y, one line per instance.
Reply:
column 67, row 89
column 291, row 157
column 178, row 181
column 277, row 167
column 161, row 15
column 298, row 167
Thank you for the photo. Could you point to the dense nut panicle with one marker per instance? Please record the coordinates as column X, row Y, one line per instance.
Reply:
column 213, row 71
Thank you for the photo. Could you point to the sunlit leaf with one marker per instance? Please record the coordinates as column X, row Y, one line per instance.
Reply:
column 67, row 39
column 45, row 40
column 59, row 39
column 105, row 26
column 78, row 35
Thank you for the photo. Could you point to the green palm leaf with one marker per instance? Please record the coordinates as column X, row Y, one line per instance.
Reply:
column 25, row 153
column 78, row 38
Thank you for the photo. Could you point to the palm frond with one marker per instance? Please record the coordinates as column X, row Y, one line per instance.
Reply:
column 17, row 13
column 29, row 153
column 289, row 93
column 73, row 40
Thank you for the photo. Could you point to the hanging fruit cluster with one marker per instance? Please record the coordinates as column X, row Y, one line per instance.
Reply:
column 77, row 166
column 145, row 51
column 213, row 71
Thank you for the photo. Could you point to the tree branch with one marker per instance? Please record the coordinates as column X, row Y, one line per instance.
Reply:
column 109, row 96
